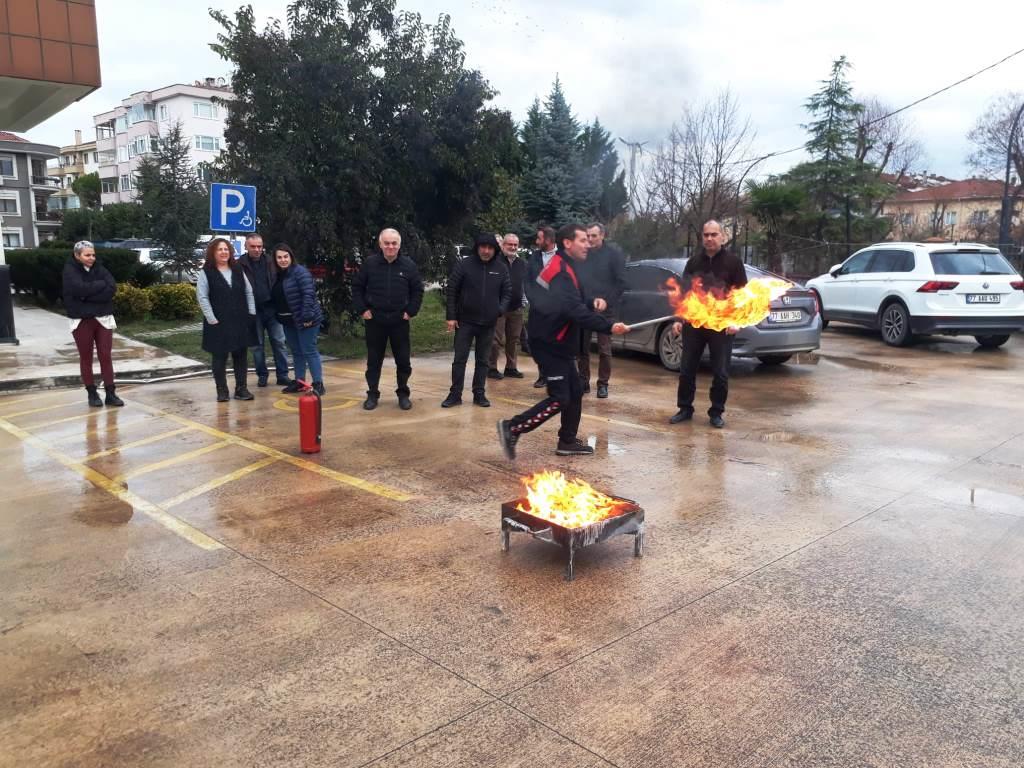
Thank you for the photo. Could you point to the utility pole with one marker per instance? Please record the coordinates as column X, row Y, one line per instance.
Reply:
column 635, row 148
column 1006, row 214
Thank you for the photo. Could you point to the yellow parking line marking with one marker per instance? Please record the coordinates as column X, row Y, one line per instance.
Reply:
column 217, row 482
column 157, row 465
column 593, row 417
column 341, row 477
column 153, row 511
column 76, row 417
column 137, row 443
column 16, row 414
column 291, row 407
column 121, row 423
column 35, row 397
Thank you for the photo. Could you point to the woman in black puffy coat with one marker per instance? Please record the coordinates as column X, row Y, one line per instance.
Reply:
column 89, row 301
column 299, row 312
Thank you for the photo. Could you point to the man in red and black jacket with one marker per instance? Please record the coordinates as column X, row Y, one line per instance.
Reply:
column 558, row 310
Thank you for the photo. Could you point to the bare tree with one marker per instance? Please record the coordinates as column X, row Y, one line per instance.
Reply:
column 887, row 143
column 990, row 137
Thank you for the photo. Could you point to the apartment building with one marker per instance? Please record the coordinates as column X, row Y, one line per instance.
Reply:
column 75, row 160
column 958, row 210
column 25, row 188
column 129, row 132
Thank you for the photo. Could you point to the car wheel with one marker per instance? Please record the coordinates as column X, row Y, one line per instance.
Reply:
column 991, row 342
column 773, row 359
column 821, row 311
column 670, row 348
column 895, row 325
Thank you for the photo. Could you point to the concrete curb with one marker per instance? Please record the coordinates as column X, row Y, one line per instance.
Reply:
column 75, row 380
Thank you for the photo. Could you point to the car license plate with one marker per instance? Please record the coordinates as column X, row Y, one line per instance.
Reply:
column 982, row 298
column 786, row 316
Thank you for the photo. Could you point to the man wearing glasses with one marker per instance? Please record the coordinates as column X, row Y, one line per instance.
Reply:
column 262, row 276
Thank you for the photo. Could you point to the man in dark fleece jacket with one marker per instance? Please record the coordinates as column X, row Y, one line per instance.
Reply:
column 558, row 310
column 479, row 292
column 388, row 292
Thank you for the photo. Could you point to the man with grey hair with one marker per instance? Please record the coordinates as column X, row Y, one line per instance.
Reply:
column 388, row 293
column 603, row 275
column 510, row 324
column 721, row 271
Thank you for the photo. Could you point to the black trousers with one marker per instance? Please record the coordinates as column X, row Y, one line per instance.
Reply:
column 565, row 396
column 239, row 361
column 378, row 336
column 481, row 336
column 719, row 345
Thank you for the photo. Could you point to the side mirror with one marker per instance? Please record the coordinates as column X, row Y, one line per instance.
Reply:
column 835, row 270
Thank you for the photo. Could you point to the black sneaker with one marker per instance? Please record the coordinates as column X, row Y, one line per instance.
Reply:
column 576, row 448
column 513, row 374
column 243, row 393
column 482, row 401
column 292, row 388
column 112, row 398
column 223, row 395
column 494, row 373
column 404, row 402
column 540, row 383
column 451, row 401
column 369, row 403
column 507, row 438
column 602, row 391
column 94, row 398
column 586, row 388
column 261, row 381
column 319, row 388
column 717, row 422
column 282, row 382
column 681, row 416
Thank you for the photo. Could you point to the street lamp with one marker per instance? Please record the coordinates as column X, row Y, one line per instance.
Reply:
column 1006, row 214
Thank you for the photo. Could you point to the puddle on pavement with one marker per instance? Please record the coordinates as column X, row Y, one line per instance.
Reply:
column 110, row 514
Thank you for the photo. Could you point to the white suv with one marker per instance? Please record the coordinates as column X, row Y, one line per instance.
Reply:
column 943, row 288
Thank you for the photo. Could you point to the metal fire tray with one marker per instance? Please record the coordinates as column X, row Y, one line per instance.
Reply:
column 630, row 521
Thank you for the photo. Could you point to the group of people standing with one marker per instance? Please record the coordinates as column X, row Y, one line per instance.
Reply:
column 247, row 300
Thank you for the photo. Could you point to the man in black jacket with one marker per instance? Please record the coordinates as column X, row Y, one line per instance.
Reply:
column 558, row 309
column 603, row 275
column 262, row 277
column 388, row 293
column 721, row 271
column 479, row 291
column 510, row 324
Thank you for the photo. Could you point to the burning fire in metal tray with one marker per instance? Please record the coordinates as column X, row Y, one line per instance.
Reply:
column 570, row 514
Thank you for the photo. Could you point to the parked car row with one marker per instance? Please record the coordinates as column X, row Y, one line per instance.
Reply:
column 900, row 289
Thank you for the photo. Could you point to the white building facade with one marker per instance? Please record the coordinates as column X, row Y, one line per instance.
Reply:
column 76, row 160
column 129, row 132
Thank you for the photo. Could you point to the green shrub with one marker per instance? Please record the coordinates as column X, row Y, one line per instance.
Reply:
column 40, row 270
column 131, row 303
column 147, row 275
column 173, row 302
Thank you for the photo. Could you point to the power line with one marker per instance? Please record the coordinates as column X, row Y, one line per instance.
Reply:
column 886, row 116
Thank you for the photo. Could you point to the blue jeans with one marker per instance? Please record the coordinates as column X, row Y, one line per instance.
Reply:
column 303, row 345
column 267, row 326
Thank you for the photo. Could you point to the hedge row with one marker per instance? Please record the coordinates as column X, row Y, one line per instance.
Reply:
column 163, row 302
column 39, row 271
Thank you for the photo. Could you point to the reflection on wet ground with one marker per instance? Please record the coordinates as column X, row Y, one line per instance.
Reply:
column 181, row 587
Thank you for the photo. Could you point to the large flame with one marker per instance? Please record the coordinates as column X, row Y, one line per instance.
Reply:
column 739, row 308
column 569, row 503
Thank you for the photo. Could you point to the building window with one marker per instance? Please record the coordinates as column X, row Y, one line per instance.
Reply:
column 979, row 218
column 121, row 125
column 122, row 154
column 131, row 150
column 163, row 111
column 950, row 218
column 96, row 158
column 127, row 183
column 7, row 167
column 204, row 109
column 108, row 186
column 12, row 238
column 208, row 143
column 105, row 131
column 9, row 204
column 907, row 220
column 106, row 158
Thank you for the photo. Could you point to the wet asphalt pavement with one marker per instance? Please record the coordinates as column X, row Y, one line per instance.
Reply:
column 835, row 579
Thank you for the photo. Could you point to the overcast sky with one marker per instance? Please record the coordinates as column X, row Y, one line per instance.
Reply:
column 635, row 63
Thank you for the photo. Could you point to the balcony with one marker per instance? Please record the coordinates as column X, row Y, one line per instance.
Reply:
column 47, row 218
column 47, row 182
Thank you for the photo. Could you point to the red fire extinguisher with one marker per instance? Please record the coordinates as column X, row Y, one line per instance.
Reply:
column 310, row 419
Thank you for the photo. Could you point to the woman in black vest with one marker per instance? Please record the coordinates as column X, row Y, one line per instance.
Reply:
column 89, row 302
column 229, row 313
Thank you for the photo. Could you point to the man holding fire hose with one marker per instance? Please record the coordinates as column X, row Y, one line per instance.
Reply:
column 558, row 310
column 719, row 270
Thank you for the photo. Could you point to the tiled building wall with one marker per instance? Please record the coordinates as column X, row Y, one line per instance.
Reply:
column 51, row 40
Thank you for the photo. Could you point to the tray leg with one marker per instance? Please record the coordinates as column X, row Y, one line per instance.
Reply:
column 506, row 537
column 638, row 543
column 570, row 572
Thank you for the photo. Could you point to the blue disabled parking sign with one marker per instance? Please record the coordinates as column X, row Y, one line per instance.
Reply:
column 232, row 208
